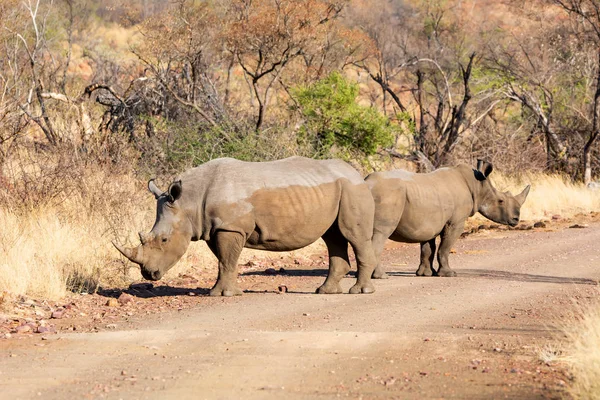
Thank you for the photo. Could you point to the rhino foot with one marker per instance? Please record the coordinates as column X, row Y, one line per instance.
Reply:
column 358, row 289
column 446, row 272
column 329, row 289
column 379, row 274
column 226, row 292
column 428, row 271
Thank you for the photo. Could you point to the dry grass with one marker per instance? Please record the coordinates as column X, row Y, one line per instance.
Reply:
column 582, row 353
column 51, row 247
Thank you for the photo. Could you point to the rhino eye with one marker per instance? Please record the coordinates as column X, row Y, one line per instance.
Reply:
column 501, row 201
column 164, row 240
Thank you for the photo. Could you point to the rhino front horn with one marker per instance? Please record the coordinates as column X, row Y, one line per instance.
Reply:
column 133, row 254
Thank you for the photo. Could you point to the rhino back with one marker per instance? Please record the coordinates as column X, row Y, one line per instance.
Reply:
column 429, row 201
column 289, row 203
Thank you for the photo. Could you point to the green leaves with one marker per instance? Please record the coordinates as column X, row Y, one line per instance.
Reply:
column 333, row 118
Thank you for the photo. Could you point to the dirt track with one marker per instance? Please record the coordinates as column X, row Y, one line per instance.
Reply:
column 474, row 336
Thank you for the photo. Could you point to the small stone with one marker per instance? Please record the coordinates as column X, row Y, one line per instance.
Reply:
column 497, row 349
column 112, row 302
column 539, row 224
column 282, row 270
column 23, row 329
column 426, row 339
column 45, row 329
column 125, row 298
column 423, row 373
column 111, row 326
column 58, row 313
column 282, row 289
column 306, row 314
column 191, row 294
column 578, row 226
column 556, row 217
column 271, row 271
column 123, row 373
column 7, row 336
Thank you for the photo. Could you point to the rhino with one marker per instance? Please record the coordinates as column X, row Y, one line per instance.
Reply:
column 419, row 207
column 280, row 205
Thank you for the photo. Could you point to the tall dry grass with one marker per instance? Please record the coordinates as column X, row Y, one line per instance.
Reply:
column 61, row 240
column 582, row 353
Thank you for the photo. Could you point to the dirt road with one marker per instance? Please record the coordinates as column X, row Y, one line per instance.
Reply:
column 479, row 335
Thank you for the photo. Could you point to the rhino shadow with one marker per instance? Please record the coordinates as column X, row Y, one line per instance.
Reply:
column 156, row 291
column 292, row 272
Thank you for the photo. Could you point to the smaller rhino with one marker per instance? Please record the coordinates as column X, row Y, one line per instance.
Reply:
column 417, row 208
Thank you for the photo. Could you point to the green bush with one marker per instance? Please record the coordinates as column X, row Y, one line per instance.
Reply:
column 333, row 118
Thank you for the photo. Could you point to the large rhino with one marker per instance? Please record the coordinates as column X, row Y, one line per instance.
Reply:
column 416, row 208
column 280, row 206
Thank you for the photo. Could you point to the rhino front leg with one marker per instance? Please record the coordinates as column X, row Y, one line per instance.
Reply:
column 339, row 264
column 227, row 247
column 427, row 257
column 449, row 236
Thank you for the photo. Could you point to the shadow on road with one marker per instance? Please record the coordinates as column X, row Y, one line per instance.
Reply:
column 518, row 277
column 145, row 291
column 290, row 272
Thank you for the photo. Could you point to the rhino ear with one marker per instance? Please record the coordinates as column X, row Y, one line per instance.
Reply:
column 485, row 168
column 175, row 191
column 154, row 189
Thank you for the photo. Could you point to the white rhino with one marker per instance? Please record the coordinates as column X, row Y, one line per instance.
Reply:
column 279, row 206
column 417, row 208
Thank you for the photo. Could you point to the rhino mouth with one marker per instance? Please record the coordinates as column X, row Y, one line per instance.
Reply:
column 151, row 275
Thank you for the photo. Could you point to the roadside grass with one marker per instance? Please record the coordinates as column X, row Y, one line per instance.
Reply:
column 582, row 352
column 48, row 248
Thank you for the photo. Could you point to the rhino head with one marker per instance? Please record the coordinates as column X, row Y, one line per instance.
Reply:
column 500, row 207
column 169, row 238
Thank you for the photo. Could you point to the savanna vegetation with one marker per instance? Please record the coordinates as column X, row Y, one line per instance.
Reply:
column 98, row 96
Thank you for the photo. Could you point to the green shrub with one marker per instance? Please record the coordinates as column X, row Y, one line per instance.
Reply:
column 333, row 118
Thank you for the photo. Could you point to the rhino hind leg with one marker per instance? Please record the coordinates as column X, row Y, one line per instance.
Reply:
column 339, row 264
column 227, row 247
column 449, row 236
column 427, row 258
column 355, row 221
column 378, row 243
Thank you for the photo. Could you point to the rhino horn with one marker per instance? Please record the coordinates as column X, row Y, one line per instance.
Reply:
column 133, row 254
column 154, row 189
column 523, row 195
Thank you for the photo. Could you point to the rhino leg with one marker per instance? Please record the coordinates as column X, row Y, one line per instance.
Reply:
column 378, row 243
column 227, row 247
column 365, row 259
column 355, row 221
column 427, row 257
column 449, row 236
column 339, row 264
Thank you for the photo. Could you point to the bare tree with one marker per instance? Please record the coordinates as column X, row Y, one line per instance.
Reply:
column 586, row 15
column 266, row 36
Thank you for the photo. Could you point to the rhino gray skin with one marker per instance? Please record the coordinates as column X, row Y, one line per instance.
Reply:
column 416, row 208
column 279, row 206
